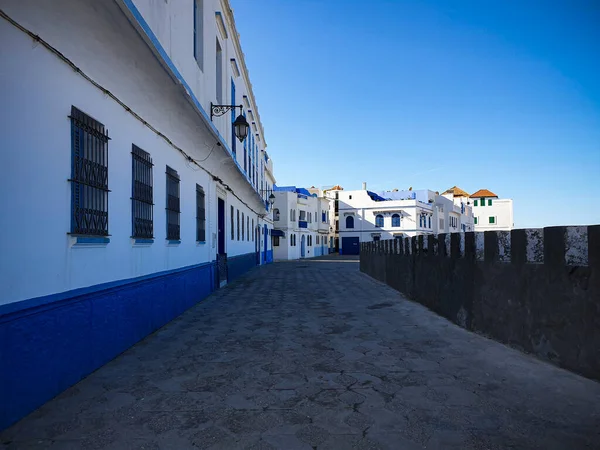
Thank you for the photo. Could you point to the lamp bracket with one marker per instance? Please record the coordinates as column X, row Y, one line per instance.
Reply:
column 219, row 110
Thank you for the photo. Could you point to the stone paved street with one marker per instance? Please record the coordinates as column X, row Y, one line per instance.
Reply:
column 314, row 354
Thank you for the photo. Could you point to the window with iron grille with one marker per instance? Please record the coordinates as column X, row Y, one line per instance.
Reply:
column 142, row 205
column 173, row 211
column 89, row 175
column 200, row 214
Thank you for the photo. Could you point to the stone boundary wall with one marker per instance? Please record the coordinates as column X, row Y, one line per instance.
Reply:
column 537, row 290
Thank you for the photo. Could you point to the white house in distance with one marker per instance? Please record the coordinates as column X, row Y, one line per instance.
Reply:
column 129, row 194
column 301, row 224
column 366, row 216
column 491, row 213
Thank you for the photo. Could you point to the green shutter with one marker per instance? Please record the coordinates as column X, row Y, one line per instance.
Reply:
column 492, row 220
column 475, row 203
column 489, row 202
column 475, row 220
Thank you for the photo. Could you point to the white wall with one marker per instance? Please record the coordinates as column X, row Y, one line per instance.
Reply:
column 37, row 256
column 501, row 209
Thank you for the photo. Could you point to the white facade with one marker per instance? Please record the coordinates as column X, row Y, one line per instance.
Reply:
column 142, row 53
column 492, row 213
column 301, row 224
column 365, row 216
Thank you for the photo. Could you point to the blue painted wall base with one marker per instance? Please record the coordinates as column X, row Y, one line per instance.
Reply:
column 238, row 265
column 53, row 342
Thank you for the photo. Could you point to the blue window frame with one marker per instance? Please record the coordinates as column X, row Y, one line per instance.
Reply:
column 245, row 152
column 233, row 138
column 396, row 220
column 379, row 220
column 349, row 222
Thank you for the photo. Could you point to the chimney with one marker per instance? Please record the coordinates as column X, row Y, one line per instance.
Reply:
column 364, row 186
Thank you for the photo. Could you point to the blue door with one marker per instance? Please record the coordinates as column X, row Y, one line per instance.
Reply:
column 266, row 237
column 350, row 246
column 302, row 247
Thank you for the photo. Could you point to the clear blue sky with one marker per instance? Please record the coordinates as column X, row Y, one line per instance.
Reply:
column 503, row 95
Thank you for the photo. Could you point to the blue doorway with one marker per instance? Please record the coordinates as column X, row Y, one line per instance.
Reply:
column 350, row 246
column 265, row 246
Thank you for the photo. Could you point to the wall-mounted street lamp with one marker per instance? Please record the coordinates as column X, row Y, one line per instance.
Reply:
column 240, row 124
column 271, row 196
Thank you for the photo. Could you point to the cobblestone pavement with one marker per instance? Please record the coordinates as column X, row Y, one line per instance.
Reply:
column 314, row 354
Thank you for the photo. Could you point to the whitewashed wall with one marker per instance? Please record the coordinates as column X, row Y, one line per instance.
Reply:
column 502, row 209
column 38, row 257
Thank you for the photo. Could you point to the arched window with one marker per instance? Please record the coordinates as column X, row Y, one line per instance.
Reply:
column 349, row 222
column 378, row 220
column 396, row 220
column 276, row 214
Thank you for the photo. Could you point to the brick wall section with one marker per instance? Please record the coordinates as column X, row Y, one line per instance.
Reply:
column 537, row 290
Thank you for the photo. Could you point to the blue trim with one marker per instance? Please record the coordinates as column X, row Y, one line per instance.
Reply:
column 174, row 242
column 14, row 307
column 92, row 240
column 239, row 265
column 166, row 60
column 382, row 230
column 144, row 241
column 47, row 349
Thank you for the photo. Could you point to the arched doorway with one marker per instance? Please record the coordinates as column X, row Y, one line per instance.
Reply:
column 302, row 246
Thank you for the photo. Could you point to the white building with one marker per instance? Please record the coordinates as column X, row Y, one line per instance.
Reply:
column 368, row 216
column 491, row 213
column 126, row 200
column 301, row 224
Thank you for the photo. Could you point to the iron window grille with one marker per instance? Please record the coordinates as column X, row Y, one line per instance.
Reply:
column 142, row 194
column 173, row 205
column 200, row 214
column 89, row 175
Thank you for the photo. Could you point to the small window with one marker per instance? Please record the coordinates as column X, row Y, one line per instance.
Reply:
column 349, row 222
column 396, row 220
column 173, row 203
column 142, row 194
column 252, row 230
column 247, row 228
column 492, row 220
column 489, row 202
column 238, row 224
column 243, row 228
column 89, row 175
column 475, row 203
column 349, row 197
column 199, row 33
column 276, row 214
column 317, row 240
column 475, row 220
column 275, row 241
column 482, row 202
column 200, row 214
column 232, row 224
column 376, row 238
column 429, row 221
column 219, row 74
column 379, row 220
